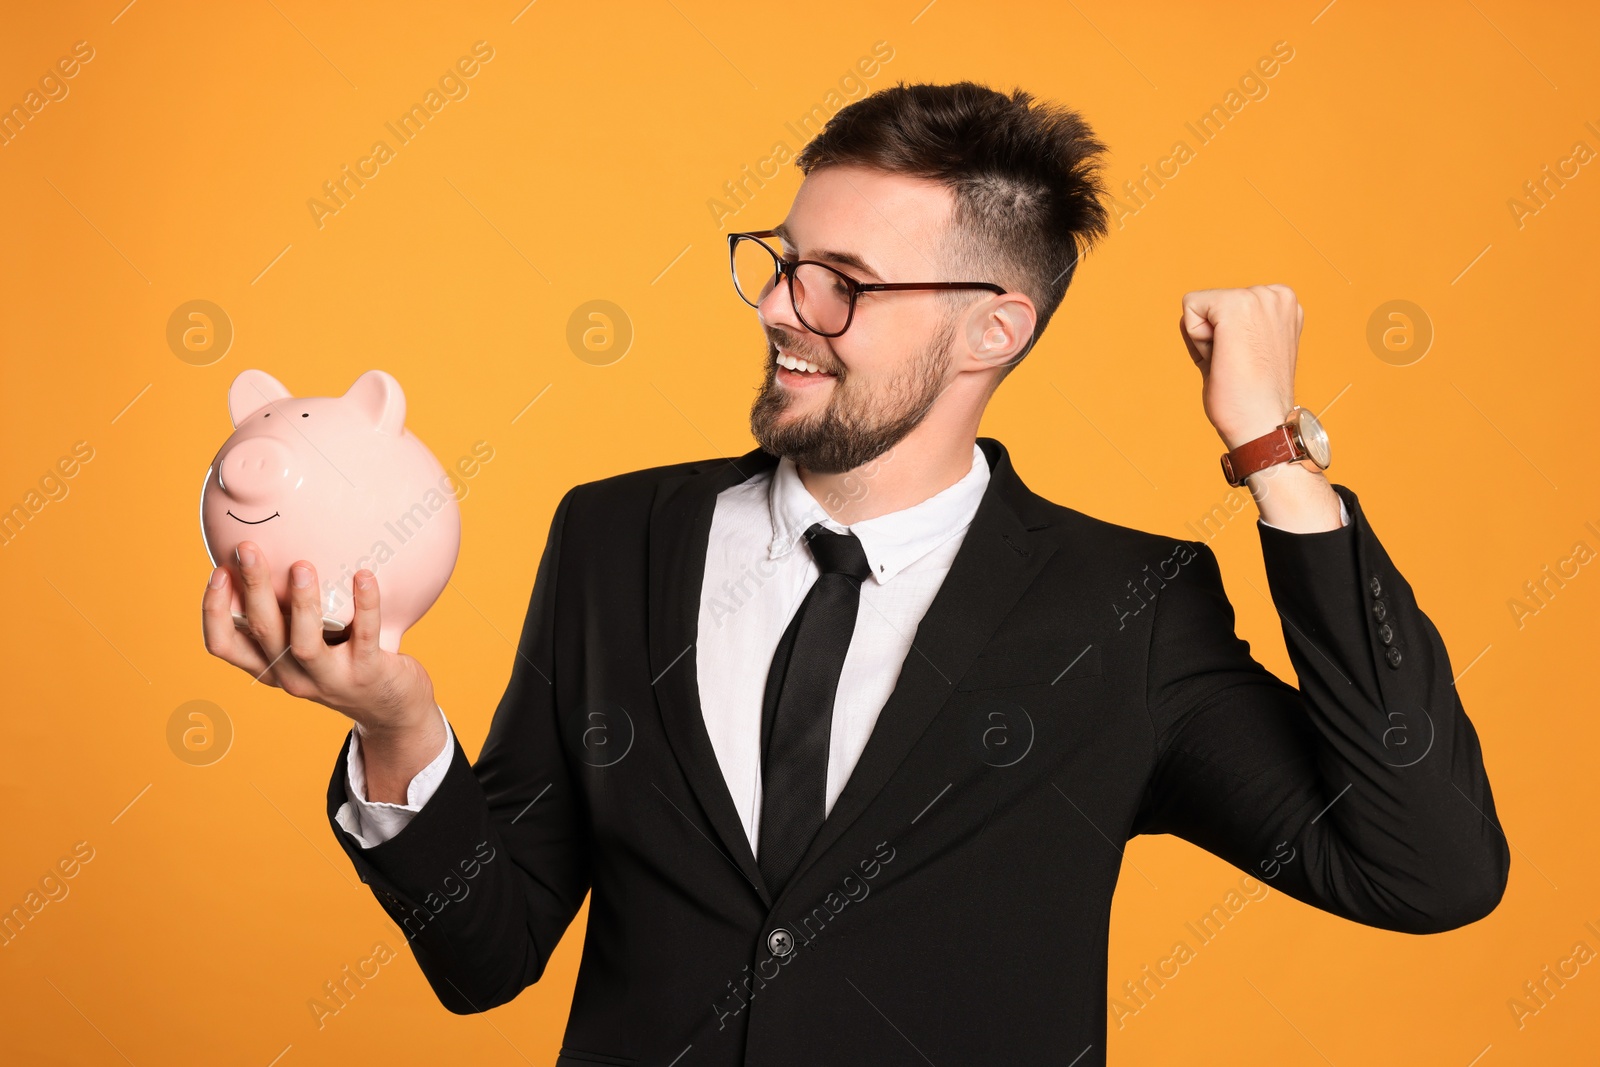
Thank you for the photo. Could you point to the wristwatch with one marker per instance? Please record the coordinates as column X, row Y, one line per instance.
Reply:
column 1300, row 437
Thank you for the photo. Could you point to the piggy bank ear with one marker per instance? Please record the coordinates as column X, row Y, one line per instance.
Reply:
column 251, row 391
column 380, row 399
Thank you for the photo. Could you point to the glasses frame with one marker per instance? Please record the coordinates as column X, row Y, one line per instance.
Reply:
column 785, row 268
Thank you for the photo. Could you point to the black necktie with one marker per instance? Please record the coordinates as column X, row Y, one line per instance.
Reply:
column 797, row 712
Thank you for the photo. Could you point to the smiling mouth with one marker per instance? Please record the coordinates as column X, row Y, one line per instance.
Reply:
column 798, row 367
column 258, row 522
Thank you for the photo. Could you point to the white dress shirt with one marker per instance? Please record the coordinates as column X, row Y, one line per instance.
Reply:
column 757, row 575
column 755, row 578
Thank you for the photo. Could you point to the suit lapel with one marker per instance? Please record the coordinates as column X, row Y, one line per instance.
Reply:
column 680, row 528
column 999, row 557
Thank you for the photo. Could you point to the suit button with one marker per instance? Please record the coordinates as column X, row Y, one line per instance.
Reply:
column 1375, row 585
column 1380, row 610
column 1393, row 656
column 780, row 942
column 1386, row 634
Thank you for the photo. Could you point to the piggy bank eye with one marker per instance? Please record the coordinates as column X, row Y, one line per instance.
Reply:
column 305, row 414
column 268, row 415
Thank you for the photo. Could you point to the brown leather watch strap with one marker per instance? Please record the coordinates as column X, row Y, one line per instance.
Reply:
column 1265, row 451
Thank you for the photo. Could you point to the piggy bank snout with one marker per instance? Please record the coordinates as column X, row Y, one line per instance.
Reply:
column 256, row 470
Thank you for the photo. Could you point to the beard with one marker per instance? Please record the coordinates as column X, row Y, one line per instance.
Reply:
column 860, row 422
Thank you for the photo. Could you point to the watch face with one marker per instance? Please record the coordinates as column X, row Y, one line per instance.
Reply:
column 1314, row 439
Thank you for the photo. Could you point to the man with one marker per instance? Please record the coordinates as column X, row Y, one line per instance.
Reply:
column 844, row 737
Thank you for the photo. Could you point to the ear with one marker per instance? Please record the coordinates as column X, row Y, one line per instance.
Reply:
column 999, row 330
column 378, row 396
column 251, row 391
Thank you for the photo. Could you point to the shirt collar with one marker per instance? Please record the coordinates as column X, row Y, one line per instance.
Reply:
column 891, row 542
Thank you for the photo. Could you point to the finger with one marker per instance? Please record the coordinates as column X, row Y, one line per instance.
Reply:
column 1194, row 350
column 308, row 652
column 263, row 616
column 1199, row 312
column 364, row 626
column 1280, row 300
column 223, row 639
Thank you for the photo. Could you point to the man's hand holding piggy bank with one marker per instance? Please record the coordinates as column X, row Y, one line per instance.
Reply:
column 305, row 504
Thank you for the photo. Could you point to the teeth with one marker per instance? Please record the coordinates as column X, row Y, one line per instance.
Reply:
column 795, row 364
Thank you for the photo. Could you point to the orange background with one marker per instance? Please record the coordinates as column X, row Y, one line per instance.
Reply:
column 1378, row 167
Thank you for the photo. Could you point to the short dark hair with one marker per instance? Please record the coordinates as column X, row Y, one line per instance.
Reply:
column 1026, row 177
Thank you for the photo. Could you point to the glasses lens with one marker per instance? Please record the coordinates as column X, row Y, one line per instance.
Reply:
column 755, row 270
column 822, row 298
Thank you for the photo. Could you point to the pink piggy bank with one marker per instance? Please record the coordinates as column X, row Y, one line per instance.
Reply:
column 339, row 482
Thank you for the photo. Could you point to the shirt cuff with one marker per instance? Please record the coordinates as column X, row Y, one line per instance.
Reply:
column 372, row 822
column 1344, row 517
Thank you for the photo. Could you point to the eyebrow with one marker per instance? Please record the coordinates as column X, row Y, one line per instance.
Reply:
column 849, row 259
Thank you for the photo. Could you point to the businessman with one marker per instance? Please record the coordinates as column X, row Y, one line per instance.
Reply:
column 843, row 738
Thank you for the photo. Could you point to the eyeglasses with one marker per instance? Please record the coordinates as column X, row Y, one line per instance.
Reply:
column 824, row 299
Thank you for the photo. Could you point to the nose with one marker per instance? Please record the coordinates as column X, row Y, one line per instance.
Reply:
column 776, row 307
column 256, row 470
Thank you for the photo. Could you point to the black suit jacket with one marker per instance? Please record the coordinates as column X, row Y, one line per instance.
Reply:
column 1073, row 683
